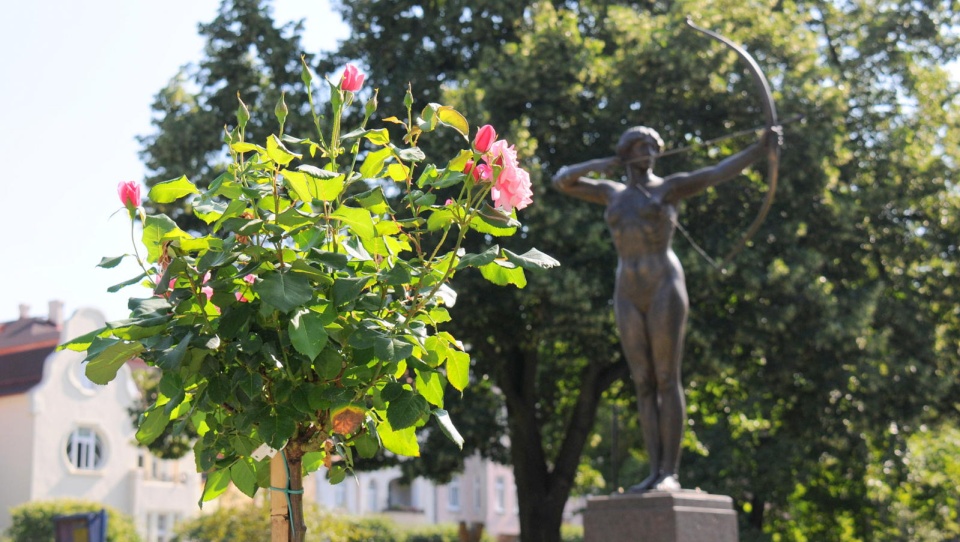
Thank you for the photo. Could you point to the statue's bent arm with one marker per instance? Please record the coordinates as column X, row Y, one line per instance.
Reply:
column 571, row 181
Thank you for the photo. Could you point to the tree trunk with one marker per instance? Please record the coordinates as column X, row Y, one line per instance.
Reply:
column 755, row 519
column 286, row 508
column 544, row 485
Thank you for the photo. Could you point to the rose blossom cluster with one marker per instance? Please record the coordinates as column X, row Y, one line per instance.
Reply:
column 511, row 190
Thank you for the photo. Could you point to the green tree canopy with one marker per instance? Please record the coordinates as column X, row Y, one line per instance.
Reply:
column 803, row 356
column 247, row 55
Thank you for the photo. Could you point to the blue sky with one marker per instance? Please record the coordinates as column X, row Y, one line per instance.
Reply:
column 76, row 83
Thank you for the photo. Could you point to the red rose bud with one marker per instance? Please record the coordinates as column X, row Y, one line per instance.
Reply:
column 129, row 192
column 352, row 79
column 486, row 135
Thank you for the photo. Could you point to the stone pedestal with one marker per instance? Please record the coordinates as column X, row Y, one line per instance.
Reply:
column 660, row 516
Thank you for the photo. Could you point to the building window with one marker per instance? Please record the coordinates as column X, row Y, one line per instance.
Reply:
column 340, row 495
column 477, row 494
column 372, row 497
column 85, row 449
column 160, row 526
column 453, row 494
column 499, row 495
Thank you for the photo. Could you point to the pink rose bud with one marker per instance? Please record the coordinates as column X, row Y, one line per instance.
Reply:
column 486, row 135
column 129, row 192
column 352, row 79
column 480, row 172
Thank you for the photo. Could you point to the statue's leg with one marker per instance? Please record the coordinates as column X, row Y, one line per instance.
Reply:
column 667, row 321
column 636, row 348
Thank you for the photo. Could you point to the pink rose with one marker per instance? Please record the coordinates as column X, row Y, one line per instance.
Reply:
column 250, row 279
column 486, row 135
column 480, row 172
column 352, row 79
column 240, row 297
column 129, row 192
column 512, row 190
column 512, row 186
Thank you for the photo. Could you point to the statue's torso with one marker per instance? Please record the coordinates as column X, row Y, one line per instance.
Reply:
column 642, row 227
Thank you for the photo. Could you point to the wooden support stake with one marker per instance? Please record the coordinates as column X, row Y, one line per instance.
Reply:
column 279, row 513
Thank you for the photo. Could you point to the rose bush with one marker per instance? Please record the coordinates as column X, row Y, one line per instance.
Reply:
column 310, row 320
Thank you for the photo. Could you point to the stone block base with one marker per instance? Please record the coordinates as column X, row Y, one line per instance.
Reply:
column 660, row 516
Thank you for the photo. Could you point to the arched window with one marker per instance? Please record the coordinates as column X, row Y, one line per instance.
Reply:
column 85, row 449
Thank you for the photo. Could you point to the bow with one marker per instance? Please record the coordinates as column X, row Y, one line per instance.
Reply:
column 773, row 148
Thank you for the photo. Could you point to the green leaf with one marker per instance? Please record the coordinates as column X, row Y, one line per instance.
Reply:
column 318, row 173
column 478, row 260
column 446, row 425
column 373, row 163
column 460, row 161
column 401, row 442
column 531, row 259
column 170, row 359
column 329, row 365
column 494, row 222
column 312, row 461
column 347, row 289
column 458, row 369
column 276, row 429
column 308, row 187
column 502, row 273
column 284, row 291
column 452, row 118
column 378, row 137
column 440, row 219
column 119, row 286
column 412, row 154
column 405, row 410
column 154, row 421
column 244, row 475
column 278, row 153
column 307, row 334
column 159, row 228
column 103, row 367
column 109, row 263
column 428, row 176
column 172, row 190
column 430, row 386
column 366, row 445
column 358, row 220
column 82, row 343
column 243, row 146
column 374, row 201
column 217, row 482
column 392, row 349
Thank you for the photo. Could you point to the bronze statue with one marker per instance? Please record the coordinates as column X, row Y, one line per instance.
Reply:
column 650, row 300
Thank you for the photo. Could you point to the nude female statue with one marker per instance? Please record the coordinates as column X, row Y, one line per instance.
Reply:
column 650, row 300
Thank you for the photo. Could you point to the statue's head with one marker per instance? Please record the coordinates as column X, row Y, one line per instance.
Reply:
column 638, row 133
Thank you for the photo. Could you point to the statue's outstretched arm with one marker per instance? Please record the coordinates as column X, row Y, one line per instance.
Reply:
column 684, row 185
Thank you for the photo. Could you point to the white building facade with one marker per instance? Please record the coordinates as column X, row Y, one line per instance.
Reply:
column 483, row 493
column 64, row 436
